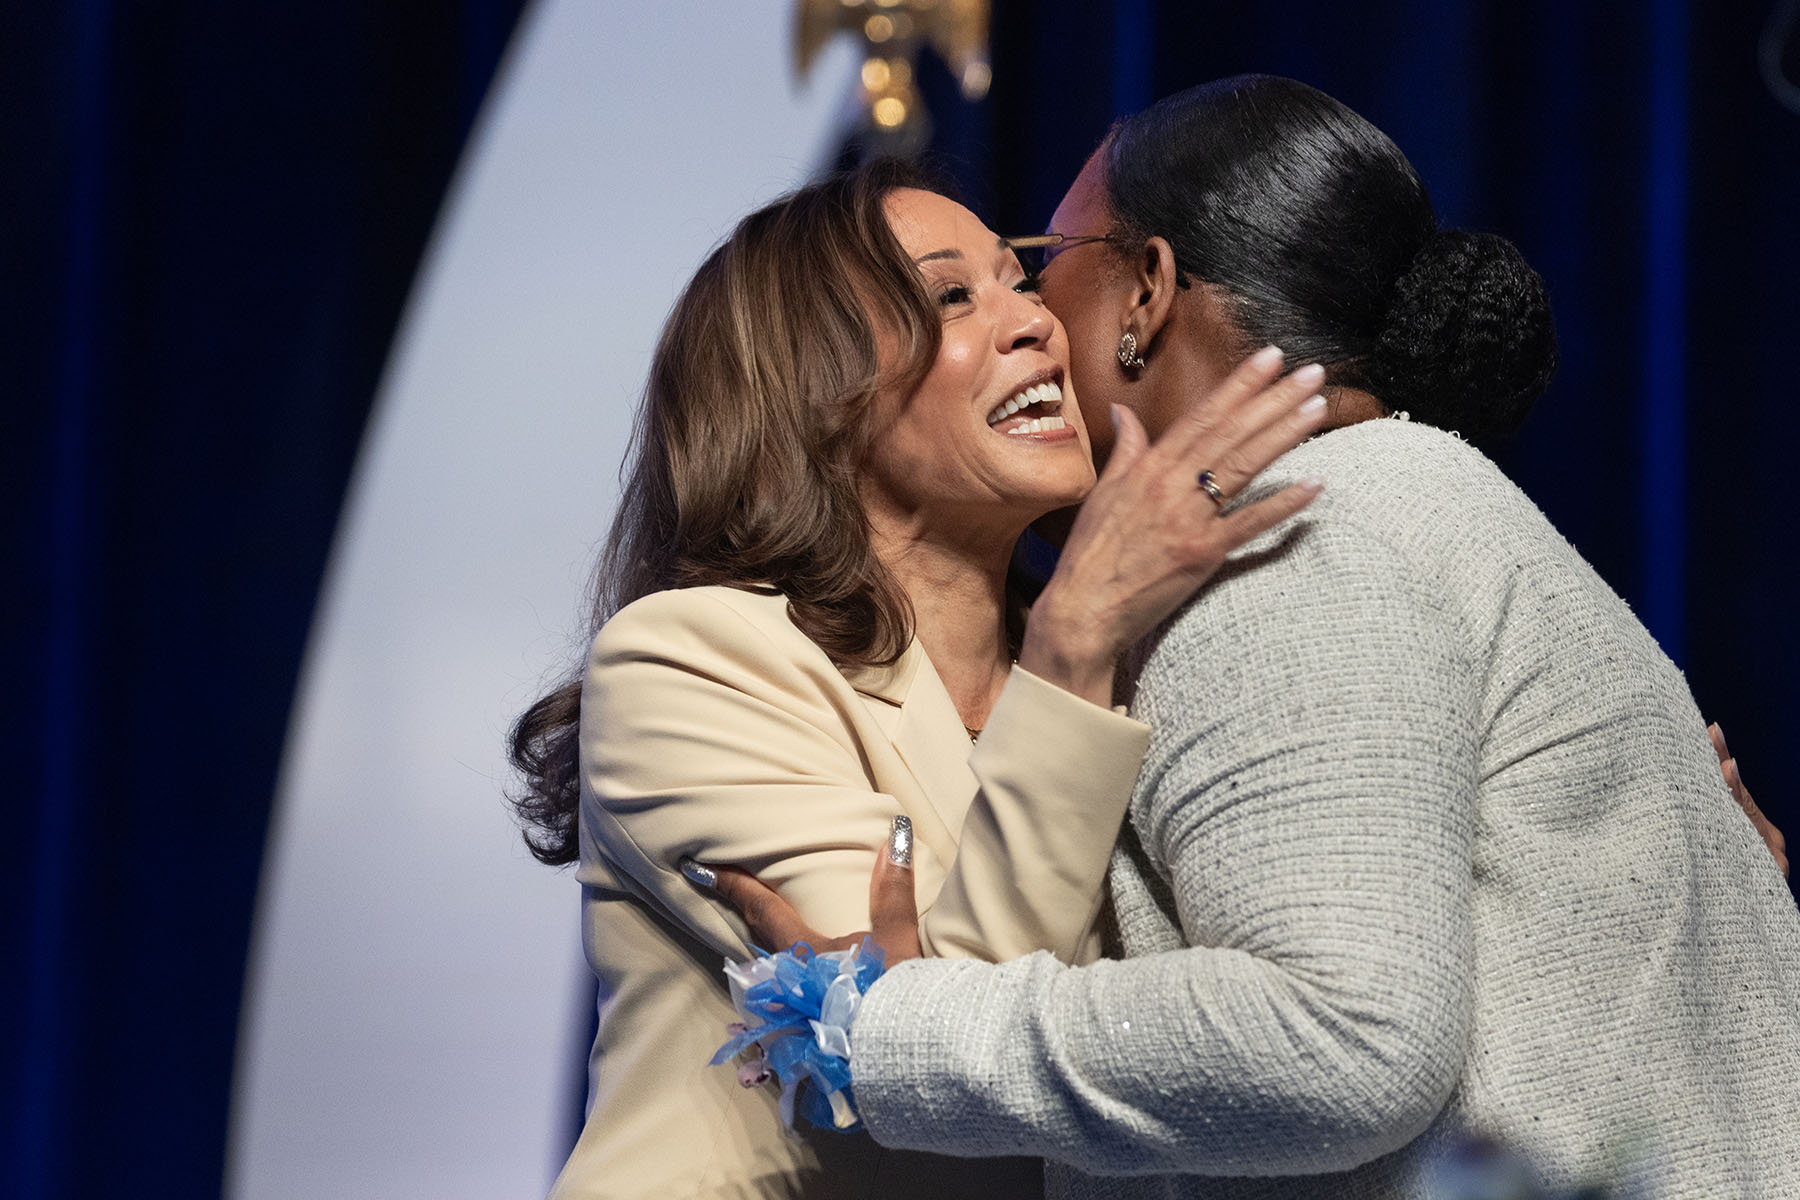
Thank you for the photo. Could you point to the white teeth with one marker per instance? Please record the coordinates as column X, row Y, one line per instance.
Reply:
column 1037, row 425
column 1047, row 394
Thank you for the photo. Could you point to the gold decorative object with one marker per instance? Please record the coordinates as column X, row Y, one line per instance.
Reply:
column 893, row 33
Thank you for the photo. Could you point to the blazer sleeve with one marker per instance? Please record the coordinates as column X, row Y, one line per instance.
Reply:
column 707, row 734
column 1055, row 775
column 1309, row 794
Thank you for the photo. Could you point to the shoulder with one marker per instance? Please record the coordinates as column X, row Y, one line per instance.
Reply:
column 1382, row 467
column 1381, row 477
column 705, row 638
column 698, row 618
column 1328, row 583
column 1405, row 495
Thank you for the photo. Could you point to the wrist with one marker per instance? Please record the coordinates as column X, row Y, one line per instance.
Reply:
column 1069, row 650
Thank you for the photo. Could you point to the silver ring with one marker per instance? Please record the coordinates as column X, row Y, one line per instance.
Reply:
column 1211, row 488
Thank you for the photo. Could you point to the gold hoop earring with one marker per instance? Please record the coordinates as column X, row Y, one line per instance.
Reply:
column 1129, row 358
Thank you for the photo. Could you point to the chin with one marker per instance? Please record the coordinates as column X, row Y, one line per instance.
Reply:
column 1075, row 491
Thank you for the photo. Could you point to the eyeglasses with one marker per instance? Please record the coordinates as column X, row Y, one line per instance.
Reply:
column 1035, row 250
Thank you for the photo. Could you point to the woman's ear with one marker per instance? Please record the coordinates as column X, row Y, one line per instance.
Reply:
column 1156, row 279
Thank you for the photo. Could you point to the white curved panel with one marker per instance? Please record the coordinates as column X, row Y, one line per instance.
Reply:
column 413, row 1013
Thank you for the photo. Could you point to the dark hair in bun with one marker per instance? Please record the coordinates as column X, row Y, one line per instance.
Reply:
column 1469, row 327
column 1324, row 243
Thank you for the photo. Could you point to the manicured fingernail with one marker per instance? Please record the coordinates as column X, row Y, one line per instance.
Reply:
column 1731, row 770
column 900, row 841
column 1114, row 411
column 1314, row 404
column 1314, row 483
column 1719, row 732
column 1311, row 375
column 698, row 875
column 1267, row 357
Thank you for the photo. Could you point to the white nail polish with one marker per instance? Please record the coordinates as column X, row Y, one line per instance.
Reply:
column 1314, row 403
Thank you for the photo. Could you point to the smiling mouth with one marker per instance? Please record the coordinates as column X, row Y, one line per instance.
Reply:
column 1034, row 409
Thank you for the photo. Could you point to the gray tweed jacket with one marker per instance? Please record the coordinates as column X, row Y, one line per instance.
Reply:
column 1429, row 839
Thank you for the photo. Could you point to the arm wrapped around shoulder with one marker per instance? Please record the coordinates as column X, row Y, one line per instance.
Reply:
column 712, row 729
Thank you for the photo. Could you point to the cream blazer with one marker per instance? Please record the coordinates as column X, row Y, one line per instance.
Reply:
column 712, row 727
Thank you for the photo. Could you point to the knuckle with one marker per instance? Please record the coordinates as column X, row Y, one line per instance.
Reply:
column 1200, row 555
column 1228, row 428
column 759, row 911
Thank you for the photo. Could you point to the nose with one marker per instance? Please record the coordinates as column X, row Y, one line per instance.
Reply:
column 1026, row 323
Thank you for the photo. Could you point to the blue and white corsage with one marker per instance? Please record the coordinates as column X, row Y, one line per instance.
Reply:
column 797, row 1008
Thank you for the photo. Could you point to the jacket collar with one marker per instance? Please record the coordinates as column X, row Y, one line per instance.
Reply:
column 911, row 703
column 893, row 682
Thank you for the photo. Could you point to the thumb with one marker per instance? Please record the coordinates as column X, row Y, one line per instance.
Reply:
column 893, row 907
column 1129, row 441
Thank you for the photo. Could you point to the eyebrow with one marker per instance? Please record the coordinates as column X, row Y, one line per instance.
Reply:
column 1004, row 245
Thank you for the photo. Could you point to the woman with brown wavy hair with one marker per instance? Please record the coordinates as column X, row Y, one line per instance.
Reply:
column 807, row 647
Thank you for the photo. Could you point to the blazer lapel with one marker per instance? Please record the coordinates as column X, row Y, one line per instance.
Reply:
column 909, row 701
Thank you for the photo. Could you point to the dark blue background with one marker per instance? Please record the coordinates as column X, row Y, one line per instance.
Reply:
column 213, row 212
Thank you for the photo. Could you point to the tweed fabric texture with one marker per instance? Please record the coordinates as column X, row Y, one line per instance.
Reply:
column 1429, row 839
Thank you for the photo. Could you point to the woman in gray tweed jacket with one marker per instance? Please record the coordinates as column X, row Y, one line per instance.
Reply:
column 1429, row 839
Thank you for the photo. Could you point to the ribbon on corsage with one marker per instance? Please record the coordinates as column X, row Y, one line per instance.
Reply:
column 797, row 1007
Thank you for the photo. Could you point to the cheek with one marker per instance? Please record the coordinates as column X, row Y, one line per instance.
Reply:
column 945, row 390
column 1092, row 345
column 957, row 359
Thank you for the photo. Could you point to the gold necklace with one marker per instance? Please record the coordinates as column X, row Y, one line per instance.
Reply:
column 975, row 734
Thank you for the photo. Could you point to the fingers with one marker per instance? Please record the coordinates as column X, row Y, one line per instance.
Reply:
column 1249, row 380
column 1771, row 836
column 893, row 907
column 1734, row 779
column 774, row 925
column 1247, row 522
column 1234, row 426
column 1729, row 768
column 1242, row 463
column 1129, row 442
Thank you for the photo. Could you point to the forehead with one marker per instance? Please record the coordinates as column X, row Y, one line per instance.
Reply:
column 925, row 221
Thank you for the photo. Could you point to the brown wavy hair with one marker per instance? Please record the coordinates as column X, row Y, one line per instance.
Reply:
column 743, row 462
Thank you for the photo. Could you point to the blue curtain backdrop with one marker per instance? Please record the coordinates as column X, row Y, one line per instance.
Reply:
column 214, row 214
column 214, row 211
